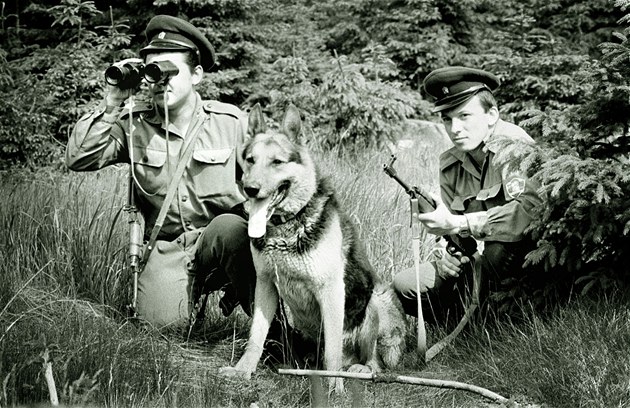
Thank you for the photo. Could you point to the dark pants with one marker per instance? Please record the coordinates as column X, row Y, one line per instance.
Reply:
column 224, row 261
column 446, row 299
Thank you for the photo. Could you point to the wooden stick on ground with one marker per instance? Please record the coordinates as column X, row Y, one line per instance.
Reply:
column 389, row 378
column 50, row 380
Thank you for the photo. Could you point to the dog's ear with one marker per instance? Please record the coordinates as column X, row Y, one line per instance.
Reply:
column 256, row 121
column 292, row 123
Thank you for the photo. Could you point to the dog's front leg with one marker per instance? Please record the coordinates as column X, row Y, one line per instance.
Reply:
column 332, row 303
column 265, row 303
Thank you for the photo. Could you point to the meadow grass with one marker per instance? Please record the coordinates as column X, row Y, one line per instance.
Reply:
column 64, row 287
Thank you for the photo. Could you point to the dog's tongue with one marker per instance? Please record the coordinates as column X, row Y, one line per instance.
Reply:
column 257, row 224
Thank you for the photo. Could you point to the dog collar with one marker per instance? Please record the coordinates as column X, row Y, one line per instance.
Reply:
column 279, row 219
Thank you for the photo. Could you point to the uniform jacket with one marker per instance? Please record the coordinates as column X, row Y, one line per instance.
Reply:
column 497, row 203
column 208, row 185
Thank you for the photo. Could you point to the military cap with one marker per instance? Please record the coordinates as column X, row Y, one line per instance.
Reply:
column 168, row 33
column 452, row 86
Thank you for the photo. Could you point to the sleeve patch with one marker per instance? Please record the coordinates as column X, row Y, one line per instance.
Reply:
column 515, row 187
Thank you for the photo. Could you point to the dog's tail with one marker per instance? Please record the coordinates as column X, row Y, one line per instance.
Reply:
column 392, row 326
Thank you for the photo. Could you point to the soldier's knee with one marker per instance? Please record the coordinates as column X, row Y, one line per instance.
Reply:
column 227, row 230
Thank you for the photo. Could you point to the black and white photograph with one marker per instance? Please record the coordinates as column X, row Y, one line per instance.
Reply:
column 335, row 203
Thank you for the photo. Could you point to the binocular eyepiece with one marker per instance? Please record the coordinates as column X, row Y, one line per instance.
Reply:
column 129, row 75
column 160, row 71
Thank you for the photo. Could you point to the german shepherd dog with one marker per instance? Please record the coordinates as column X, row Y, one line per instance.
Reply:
column 305, row 252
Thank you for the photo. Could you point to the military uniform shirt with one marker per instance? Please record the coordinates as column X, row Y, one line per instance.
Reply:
column 497, row 204
column 208, row 185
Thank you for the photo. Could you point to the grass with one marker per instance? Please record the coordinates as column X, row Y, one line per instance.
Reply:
column 64, row 287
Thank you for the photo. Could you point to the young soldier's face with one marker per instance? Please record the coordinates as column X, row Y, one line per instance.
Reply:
column 469, row 124
column 180, row 87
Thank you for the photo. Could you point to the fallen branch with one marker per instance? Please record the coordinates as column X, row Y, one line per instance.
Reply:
column 390, row 378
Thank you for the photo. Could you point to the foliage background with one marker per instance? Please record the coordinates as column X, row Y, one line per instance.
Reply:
column 355, row 69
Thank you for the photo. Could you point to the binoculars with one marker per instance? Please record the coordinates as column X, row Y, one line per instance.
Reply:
column 129, row 75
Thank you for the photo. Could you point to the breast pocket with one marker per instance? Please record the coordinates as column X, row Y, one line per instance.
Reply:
column 149, row 168
column 490, row 194
column 461, row 203
column 213, row 172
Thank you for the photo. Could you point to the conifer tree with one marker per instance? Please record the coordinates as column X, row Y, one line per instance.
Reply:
column 583, row 165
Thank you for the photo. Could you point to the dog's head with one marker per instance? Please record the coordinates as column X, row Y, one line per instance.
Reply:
column 278, row 173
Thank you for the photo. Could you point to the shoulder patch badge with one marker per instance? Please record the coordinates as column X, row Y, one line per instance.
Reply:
column 515, row 187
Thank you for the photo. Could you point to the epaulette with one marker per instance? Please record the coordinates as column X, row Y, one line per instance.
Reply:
column 449, row 157
column 138, row 108
column 223, row 108
column 510, row 130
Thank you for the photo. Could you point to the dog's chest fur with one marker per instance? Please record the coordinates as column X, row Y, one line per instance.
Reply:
column 307, row 254
column 299, row 276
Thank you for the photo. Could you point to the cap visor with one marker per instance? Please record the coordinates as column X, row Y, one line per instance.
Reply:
column 163, row 47
column 454, row 102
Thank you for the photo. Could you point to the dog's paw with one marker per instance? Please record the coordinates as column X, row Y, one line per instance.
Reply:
column 235, row 373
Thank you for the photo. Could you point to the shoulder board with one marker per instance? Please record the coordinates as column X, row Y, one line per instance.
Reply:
column 511, row 131
column 222, row 108
column 448, row 158
column 139, row 107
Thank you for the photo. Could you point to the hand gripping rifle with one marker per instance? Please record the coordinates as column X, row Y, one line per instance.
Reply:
column 422, row 202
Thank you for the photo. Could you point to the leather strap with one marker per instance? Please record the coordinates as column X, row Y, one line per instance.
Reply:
column 191, row 137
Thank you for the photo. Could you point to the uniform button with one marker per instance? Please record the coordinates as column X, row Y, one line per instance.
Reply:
column 179, row 240
column 184, row 198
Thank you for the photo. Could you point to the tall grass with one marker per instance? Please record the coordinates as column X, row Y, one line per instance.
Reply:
column 64, row 287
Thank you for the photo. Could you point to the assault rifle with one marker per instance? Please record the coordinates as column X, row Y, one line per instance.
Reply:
column 422, row 202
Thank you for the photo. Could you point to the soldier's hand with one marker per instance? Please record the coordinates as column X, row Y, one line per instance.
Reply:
column 440, row 221
column 450, row 266
column 116, row 96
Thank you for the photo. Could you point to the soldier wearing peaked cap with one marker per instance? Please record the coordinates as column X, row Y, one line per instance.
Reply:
column 167, row 33
column 480, row 199
column 201, row 242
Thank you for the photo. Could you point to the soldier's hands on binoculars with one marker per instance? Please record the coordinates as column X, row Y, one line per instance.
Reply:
column 123, row 79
